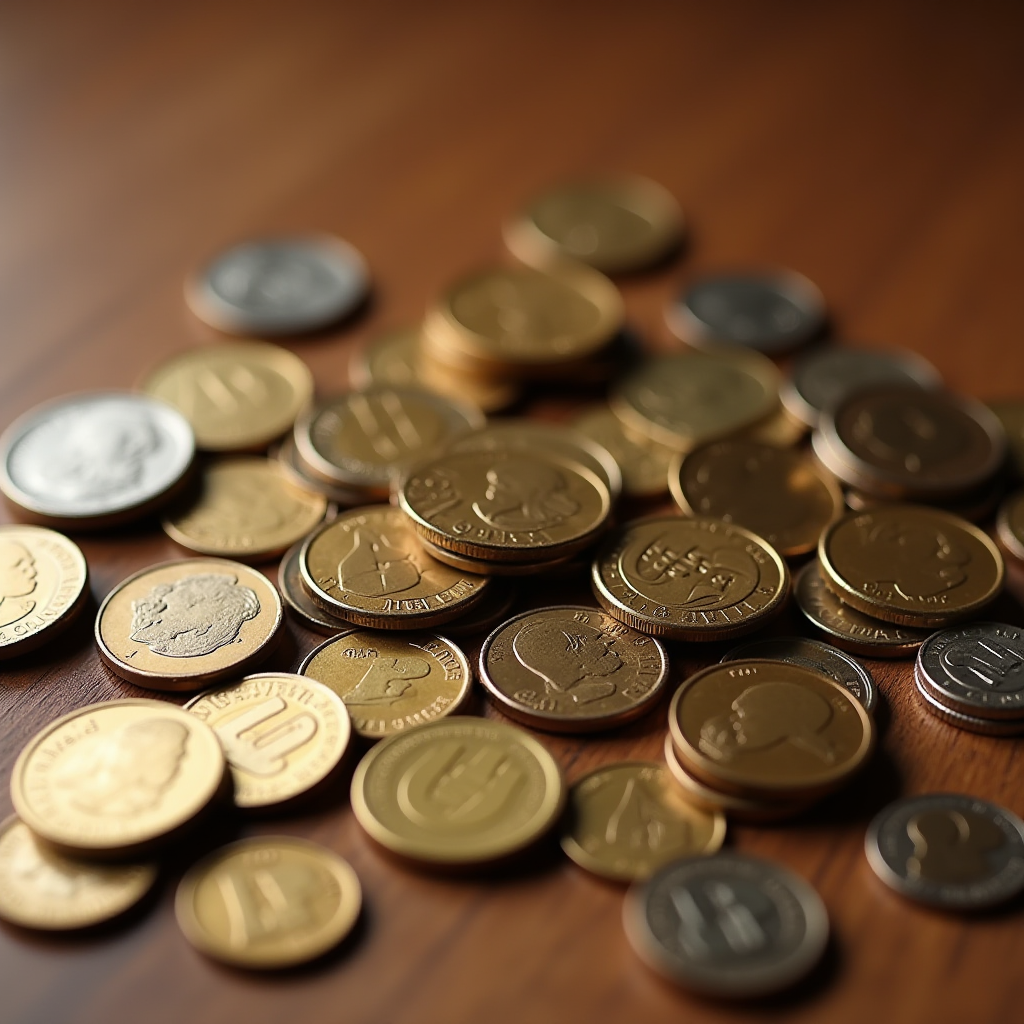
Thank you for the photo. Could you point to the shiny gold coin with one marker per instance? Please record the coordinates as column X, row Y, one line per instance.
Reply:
column 911, row 565
column 769, row 729
column 572, row 669
column 43, row 587
column 282, row 734
column 1010, row 412
column 115, row 779
column 644, row 463
column 390, row 683
column 369, row 567
column 624, row 823
column 458, row 792
column 299, row 603
column 237, row 396
column 777, row 493
column 183, row 625
column 1010, row 525
column 689, row 579
column 268, row 902
column 287, row 457
column 483, row 567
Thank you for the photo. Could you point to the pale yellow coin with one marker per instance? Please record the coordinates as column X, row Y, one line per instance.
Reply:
column 644, row 463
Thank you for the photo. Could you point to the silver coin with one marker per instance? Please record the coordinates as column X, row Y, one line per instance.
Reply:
column 278, row 286
column 289, row 582
column 948, row 850
column 727, row 925
column 95, row 458
column 816, row 655
column 971, row 723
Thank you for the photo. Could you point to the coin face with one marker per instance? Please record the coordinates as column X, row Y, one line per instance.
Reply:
column 572, row 669
column 683, row 924
column 298, row 602
column 112, row 779
column 644, row 463
column 910, row 565
column 238, row 396
column 268, row 902
column 777, row 493
column 390, row 683
column 689, row 579
column 281, row 733
column 457, row 792
column 246, row 508
column 276, row 286
column 769, row 727
column 948, row 850
column 182, row 625
column 94, row 459
column 1010, row 525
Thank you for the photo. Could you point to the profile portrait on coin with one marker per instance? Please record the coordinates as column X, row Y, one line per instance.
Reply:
column 375, row 567
column 981, row 665
column 951, row 847
column 569, row 657
column 386, row 680
column 524, row 494
column 912, row 559
column 18, row 576
column 698, row 578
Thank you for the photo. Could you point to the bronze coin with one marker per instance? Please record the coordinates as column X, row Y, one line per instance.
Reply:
column 1010, row 525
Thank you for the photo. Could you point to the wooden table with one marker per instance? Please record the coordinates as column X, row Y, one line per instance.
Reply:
column 876, row 147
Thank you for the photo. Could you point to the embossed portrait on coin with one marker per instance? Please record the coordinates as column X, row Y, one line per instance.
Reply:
column 951, row 848
column 699, row 577
column 910, row 560
column 17, row 582
column 376, row 566
column 525, row 494
column 193, row 616
column 984, row 666
column 569, row 657
column 386, row 680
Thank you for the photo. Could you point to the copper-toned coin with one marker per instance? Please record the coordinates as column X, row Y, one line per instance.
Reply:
column 299, row 603
column 484, row 567
column 911, row 565
column 1010, row 413
column 689, row 579
column 644, row 463
column 1010, row 525
column 572, row 669
column 976, row 506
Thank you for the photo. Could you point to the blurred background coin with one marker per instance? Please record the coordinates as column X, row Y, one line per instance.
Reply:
column 286, row 456
column 644, row 463
column 1010, row 412
column 1010, row 525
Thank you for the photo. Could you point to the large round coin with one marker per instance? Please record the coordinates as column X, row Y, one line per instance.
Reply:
column 1010, row 525
column 183, row 625
column 268, row 902
column 685, row 924
column 644, row 463
column 95, row 459
column 114, row 779
column 458, row 792
column 572, row 669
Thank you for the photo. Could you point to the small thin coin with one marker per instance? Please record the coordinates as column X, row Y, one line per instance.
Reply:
column 286, row 456
column 390, row 683
column 644, row 463
column 910, row 565
column 1010, row 525
column 689, row 579
column 971, row 723
column 623, row 822
column 1010, row 413
column 246, row 508
column 268, row 902
column 186, row 624
column 572, row 669
column 492, row 609
column 299, row 603
column 482, row 567
column 277, row 286
column 683, row 923
column 948, row 850
column 115, row 779
column 461, row 791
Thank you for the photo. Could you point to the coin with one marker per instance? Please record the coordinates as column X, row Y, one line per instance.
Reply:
column 390, row 683
column 572, row 669
column 769, row 729
column 644, row 463
column 771, row 312
column 114, row 779
column 286, row 456
column 483, row 567
column 948, row 850
column 911, row 565
column 685, row 923
column 848, row 628
column 298, row 602
column 976, row 506
column 779, row 429
column 815, row 655
column 183, row 625
column 689, row 579
column 1011, row 414
column 1010, row 525
column 94, row 459
column 276, row 286
column 43, row 587
column 777, row 493
column 268, row 902
column 460, row 791
column 491, row 609
column 246, row 508
column 41, row 889
column 972, row 723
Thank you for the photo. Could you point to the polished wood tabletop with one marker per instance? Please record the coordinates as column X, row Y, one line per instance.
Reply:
column 876, row 147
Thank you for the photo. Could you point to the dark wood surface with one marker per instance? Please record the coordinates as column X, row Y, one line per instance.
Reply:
column 876, row 147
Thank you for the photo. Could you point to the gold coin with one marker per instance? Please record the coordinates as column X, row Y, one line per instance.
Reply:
column 458, row 792
column 780, row 429
column 1010, row 413
column 237, row 396
column 1010, row 525
column 911, row 565
column 43, row 587
column 483, row 567
column 268, row 902
column 685, row 399
column 689, row 579
column 489, row 392
column 299, row 603
column 369, row 567
column 486, row 613
column 281, row 733
column 644, row 463
column 769, row 729
column 114, row 779
column 624, row 823
column 287, row 457
column 572, row 669
column 777, row 493
column 183, row 625
column 390, row 683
